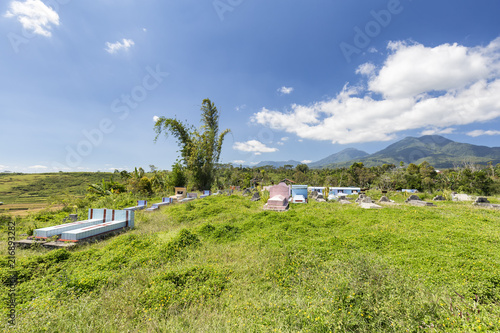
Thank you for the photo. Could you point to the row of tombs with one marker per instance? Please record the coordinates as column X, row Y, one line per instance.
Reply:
column 279, row 195
column 103, row 221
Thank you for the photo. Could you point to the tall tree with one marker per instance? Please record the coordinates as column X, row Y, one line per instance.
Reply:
column 200, row 149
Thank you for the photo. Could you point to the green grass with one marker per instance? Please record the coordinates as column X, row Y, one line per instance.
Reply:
column 34, row 188
column 221, row 264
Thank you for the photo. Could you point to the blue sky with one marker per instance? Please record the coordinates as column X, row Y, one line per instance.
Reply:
column 81, row 81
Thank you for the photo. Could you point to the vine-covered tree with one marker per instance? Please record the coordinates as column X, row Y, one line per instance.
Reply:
column 200, row 149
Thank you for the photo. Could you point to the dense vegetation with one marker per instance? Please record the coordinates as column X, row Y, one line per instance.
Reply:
column 221, row 264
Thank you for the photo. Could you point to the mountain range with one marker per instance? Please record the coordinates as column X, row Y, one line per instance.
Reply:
column 440, row 152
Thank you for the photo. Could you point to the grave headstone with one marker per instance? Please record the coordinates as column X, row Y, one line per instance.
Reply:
column 385, row 199
column 481, row 200
column 320, row 198
column 247, row 192
column 439, row 198
column 255, row 197
column 413, row 197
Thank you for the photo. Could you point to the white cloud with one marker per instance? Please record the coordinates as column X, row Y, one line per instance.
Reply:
column 482, row 132
column 457, row 86
column 434, row 131
column 34, row 15
column 239, row 162
column 372, row 50
column 285, row 90
column 117, row 46
column 144, row 29
column 156, row 118
column 37, row 167
column 240, row 108
column 253, row 146
column 283, row 140
column 415, row 69
column 305, row 161
column 366, row 69
column 3, row 166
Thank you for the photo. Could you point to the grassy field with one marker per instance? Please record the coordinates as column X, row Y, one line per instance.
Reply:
column 28, row 190
column 221, row 264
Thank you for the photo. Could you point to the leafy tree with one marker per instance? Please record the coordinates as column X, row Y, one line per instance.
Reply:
column 200, row 149
column 302, row 168
column 178, row 178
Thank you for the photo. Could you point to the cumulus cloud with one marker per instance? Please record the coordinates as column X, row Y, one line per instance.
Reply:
column 305, row 161
column 156, row 118
column 34, row 15
column 239, row 162
column 3, row 166
column 366, row 69
column 285, row 90
column 253, row 146
column 125, row 44
column 417, row 87
column 482, row 132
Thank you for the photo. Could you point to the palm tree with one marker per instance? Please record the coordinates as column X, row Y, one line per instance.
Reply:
column 200, row 149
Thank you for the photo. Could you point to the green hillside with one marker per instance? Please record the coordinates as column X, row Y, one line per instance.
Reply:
column 345, row 155
column 221, row 264
column 437, row 150
column 34, row 188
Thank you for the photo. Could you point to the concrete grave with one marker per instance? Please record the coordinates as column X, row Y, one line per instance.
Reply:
column 112, row 219
column 141, row 204
column 461, row 197
column 481, row 200
column 206, row 193
column 320, row 198
column 439, row 198
column 280, row 189
column 192, row 195
column 413, row 197
column 278, row 198
column 385, row 199
column 255, row 196
column 299, row 193
column 369, row 205
column 420, row 203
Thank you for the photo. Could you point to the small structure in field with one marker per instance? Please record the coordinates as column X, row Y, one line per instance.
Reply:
column 415, row 200
column 461, row 197
column 206, row 193
column 156, row 206
column 100, row 221
column 255, row 196
column 320, row 198
column 439, row 198
column 385, row 199
column 141, row 204
column 409, row 190
column 180, row 193
column 299, row 193
column 278, row 197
